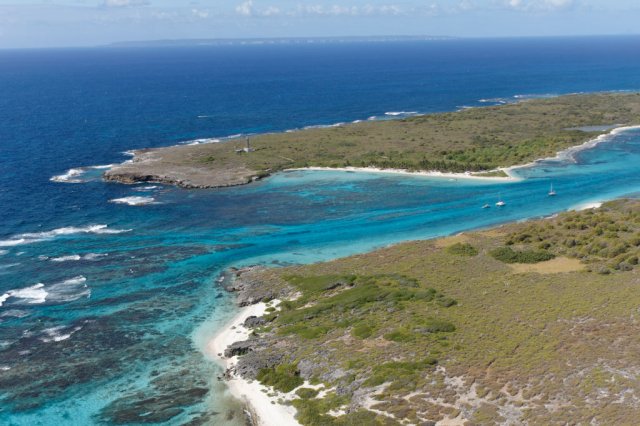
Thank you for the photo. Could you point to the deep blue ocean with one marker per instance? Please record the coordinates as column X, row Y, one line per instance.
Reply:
column 105, row 306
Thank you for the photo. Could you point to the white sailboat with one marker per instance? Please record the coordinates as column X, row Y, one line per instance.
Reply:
column 551, row 191
column 500, row 203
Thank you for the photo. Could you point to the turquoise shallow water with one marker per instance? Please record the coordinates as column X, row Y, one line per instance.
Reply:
column 122, row 324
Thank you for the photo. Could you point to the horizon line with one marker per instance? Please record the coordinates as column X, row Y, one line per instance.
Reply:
column 238, row 41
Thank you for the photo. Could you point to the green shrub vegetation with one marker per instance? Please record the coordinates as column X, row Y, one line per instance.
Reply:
column 509, row 255
column 462, row 249
column 307, row 393
column 416, row 326
column 284, row 377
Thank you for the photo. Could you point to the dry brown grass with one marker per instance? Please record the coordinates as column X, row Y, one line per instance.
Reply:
column 553, row 266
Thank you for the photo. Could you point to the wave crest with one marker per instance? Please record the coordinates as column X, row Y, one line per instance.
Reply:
column 35, row 237
column 75, row 175
column 64, row 291
column 134, row 200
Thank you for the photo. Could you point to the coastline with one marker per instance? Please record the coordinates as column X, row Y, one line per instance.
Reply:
column 262, row 409
column 214, row 165
column 245, row 176
column 568, row 154
column 429, row 174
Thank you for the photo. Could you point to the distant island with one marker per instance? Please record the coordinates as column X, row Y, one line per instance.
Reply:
column 530, row 323
column 482, row 141
column 273, row 41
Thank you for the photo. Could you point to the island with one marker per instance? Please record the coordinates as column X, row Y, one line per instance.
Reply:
column 482, row 141
column 527, row 323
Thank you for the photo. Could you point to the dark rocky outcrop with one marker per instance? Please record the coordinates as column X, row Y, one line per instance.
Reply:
column 250, row 289
column 254, row 321
column 250, row 364
column 241, row 348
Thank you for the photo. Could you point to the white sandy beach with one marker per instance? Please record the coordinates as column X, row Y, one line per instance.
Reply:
column 509, row 171
column 265, row 410
column 431, row 174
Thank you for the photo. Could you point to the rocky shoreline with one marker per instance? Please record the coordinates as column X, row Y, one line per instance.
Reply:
column 242, row 354
column 168, row 166
column 251, row 352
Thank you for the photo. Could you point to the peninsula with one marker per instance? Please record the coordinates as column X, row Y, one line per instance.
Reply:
column 529, row 323
column 477, row 140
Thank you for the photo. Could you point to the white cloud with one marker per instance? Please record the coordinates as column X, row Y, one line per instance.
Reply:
column 124, row 3
column 246, row 8
column 200, row 13
column 540, row 5
column 271, row 11
column 341, row 10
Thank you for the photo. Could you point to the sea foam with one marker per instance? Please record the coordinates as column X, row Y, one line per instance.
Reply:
column 35, row 237
column 33, row 295
column 64, row 291
column 76, row 257
column 74, row 175
column 58, row 334
column 134, row 200
column 400, row 113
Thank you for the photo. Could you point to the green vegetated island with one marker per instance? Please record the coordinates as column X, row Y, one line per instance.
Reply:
column 472, row 140
column 529, row 323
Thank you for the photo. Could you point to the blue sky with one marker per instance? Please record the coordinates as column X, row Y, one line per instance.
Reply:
column 39, row 23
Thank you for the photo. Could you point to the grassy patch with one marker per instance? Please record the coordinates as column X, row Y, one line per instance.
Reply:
column 462, row 249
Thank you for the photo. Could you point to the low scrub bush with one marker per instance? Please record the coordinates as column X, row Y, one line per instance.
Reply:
column 509, row 255
column 462, row 249
column 284, row 377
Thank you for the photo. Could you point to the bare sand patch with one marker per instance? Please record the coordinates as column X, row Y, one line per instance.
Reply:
column 553, row 266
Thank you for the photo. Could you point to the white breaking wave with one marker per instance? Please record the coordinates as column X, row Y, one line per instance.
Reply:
column 494, row 101
column 536, row 96
column 324, row 126
column 399, row 113
column 94, row 256
column 134, row 200
column 74, row 257
column 48, row 235
column 30, row 295
column 65, row 291
column 58, row 334
column 73, row 175
column 3, row 252
column 66, row 258
column 105, row 166
column 201, row 141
